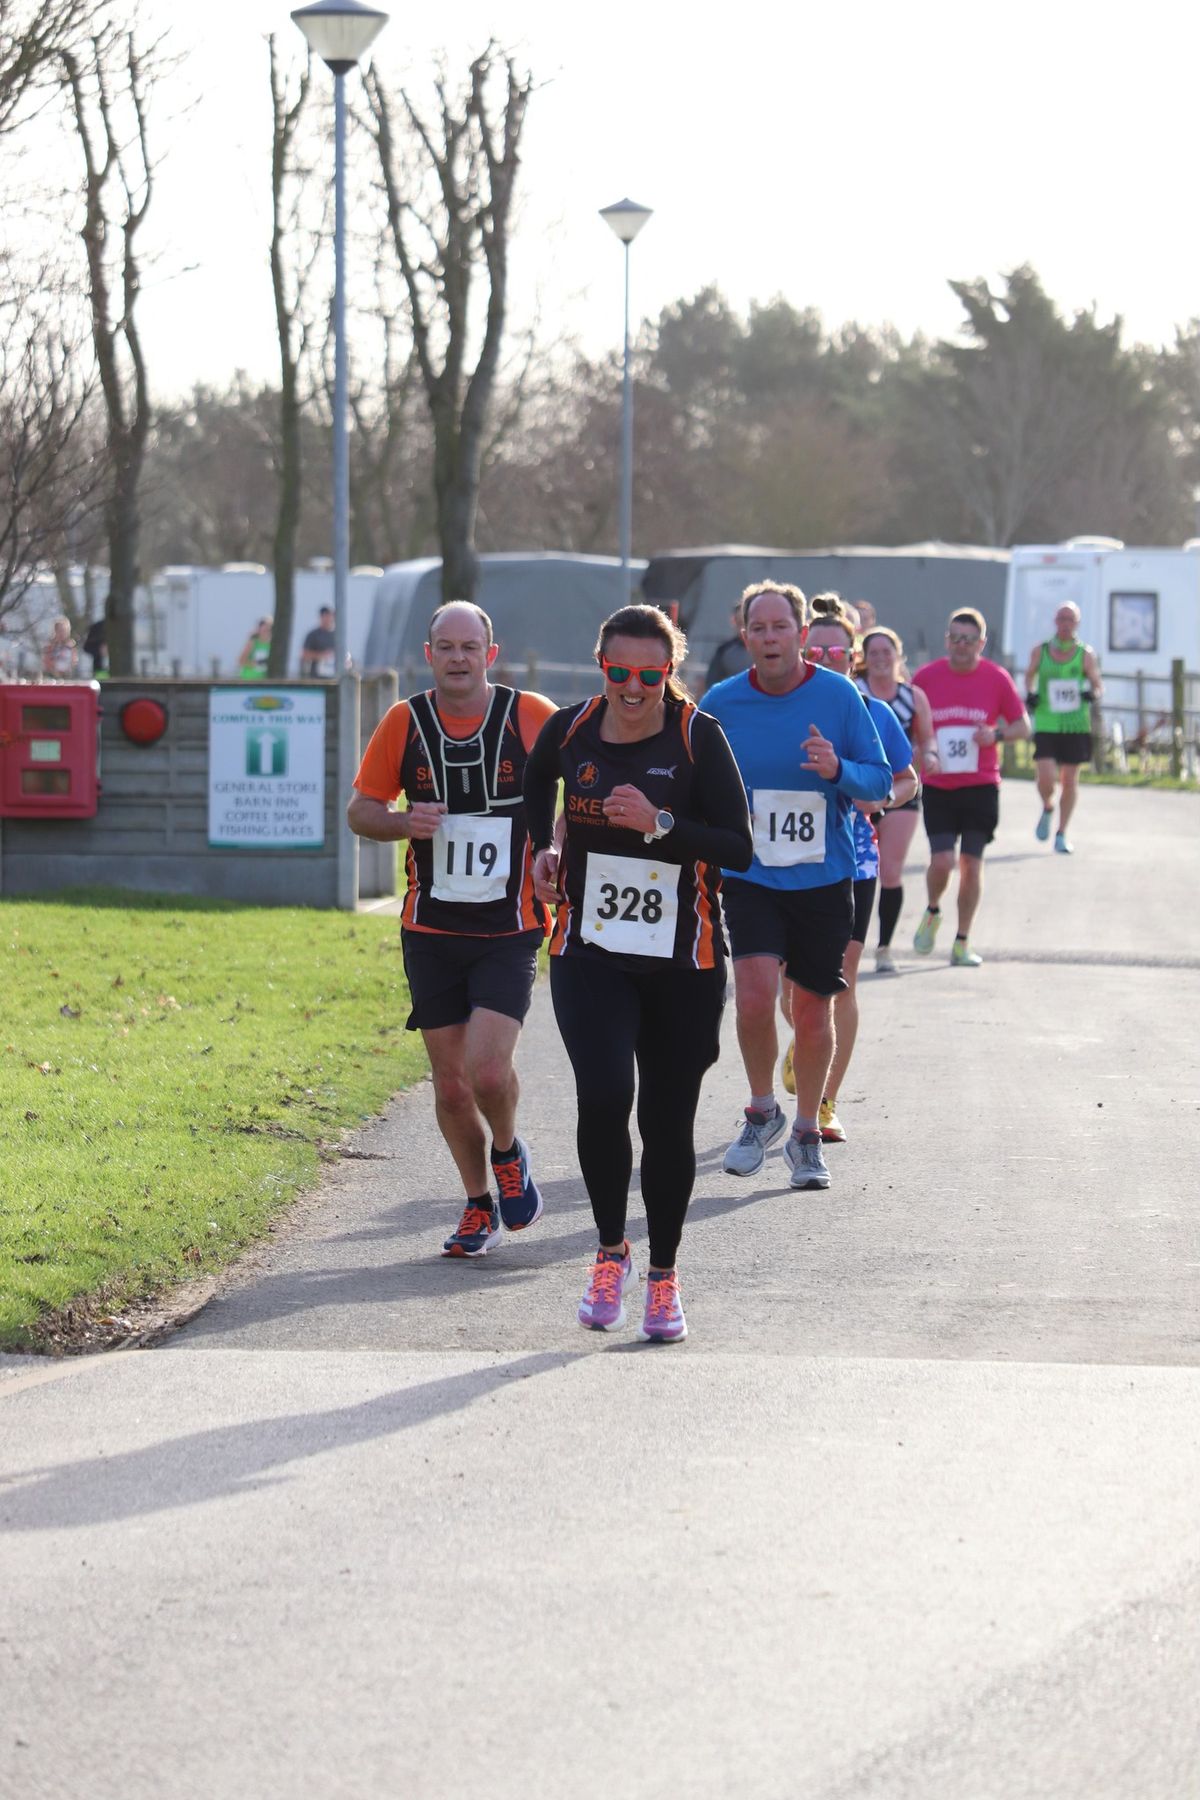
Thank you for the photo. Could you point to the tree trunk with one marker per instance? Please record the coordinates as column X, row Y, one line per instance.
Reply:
column 124, row 531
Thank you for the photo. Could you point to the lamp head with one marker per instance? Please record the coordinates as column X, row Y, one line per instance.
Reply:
column 340, row 32
column 626, row 218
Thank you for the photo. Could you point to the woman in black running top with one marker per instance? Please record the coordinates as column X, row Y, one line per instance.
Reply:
column 653, row 806
column 882, row 675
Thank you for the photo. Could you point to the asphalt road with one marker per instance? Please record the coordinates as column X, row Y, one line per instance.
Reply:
column 913, row 1512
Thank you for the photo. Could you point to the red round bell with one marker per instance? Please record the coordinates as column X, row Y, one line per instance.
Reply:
column 143, row 721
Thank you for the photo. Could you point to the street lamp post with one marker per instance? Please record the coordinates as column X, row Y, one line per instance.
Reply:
column 626, row 219
column 341, row 32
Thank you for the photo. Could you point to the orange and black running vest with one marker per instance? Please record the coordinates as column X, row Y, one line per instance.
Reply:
column 474, row 876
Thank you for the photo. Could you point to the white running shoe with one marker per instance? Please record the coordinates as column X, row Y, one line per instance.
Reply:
column 803, row 1157
column 748, row 1151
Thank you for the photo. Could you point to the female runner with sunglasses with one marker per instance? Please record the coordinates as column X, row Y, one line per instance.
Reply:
column 653, row 805
column 882, row 675
column 830, row 642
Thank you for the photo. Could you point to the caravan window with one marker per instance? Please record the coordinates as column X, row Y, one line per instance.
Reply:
column 1133, row 622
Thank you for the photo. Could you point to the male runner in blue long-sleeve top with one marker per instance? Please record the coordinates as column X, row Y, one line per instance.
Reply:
column 807, row 749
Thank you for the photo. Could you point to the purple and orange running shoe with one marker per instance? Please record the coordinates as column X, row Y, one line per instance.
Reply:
column 603, row 1305
column 663, row 1322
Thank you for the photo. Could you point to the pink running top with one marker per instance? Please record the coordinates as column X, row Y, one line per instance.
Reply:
column 960, row 704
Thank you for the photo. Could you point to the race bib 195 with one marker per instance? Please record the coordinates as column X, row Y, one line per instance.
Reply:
column 630, row 905
column 957, row 750
column 472, row 858
column 789, row 827
column 1063, row 696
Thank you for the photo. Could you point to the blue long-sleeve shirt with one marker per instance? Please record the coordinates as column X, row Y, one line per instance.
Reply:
column 803, row 826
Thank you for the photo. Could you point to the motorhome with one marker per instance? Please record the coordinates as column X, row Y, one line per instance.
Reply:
column 913, row 587
column 1139, row 610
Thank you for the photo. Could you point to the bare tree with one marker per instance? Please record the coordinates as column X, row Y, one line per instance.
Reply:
column 33, row 35
column 49, row 473
column 391, row 515
column 108, row 80
column 449, row 222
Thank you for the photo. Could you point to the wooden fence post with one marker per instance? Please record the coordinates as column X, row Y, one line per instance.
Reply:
column 1177, row 716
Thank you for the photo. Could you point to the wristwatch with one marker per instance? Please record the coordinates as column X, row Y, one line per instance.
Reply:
column 663, row 822
column 998, row 733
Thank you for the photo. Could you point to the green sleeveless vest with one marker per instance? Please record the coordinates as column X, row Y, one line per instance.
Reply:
column 1057, row 684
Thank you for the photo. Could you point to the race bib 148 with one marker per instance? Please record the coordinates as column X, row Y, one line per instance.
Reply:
column 789, row 827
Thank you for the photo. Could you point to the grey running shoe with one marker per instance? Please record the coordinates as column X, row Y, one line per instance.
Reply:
column 748, row 1151
column 1061, row 844
column 803, row 1157
column 1043, row 824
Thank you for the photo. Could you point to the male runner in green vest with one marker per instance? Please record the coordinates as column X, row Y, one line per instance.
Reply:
column 1062, row 680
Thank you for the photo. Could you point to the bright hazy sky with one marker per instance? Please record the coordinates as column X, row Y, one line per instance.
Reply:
column 847, row 157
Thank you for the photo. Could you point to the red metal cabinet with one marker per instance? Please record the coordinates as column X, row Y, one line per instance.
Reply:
column 49, row 750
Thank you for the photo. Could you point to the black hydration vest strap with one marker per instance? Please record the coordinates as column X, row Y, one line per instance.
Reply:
column 466, row 771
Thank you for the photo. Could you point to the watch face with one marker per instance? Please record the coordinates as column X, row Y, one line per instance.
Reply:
column 664, row 821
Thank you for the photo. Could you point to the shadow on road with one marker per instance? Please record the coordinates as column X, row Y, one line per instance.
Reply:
column 209, row 1465
column 292, row 1293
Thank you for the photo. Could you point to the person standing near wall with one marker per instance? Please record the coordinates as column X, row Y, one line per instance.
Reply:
column 731, row 655
column 252, row 663
column 60, row 657
column 318, row 656
column 471, row 924
column 95, row 645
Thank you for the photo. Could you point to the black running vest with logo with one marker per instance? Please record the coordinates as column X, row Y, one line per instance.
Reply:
column 901, row 703
column 626, row 898
column 473, row 876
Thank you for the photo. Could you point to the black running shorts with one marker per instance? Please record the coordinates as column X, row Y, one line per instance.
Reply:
column 806, row 929
column 450, row 975
column 969, row 813
column 1063, row 746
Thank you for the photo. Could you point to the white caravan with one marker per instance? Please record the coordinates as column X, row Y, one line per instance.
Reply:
column 202, row 617
column 1140, row 608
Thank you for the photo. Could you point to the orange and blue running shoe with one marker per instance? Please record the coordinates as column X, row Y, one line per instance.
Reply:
column 663, row 1321
column 477, row 1231
column 603, row 1305
column 520, row 1198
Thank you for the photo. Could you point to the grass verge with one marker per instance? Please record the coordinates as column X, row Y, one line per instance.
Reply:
column 170, row 1074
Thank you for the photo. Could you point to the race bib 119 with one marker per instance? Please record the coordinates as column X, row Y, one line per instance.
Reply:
column 472, row 858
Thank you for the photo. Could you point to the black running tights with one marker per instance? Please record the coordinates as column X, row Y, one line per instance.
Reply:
column 890, row 901
column 667, row 1019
